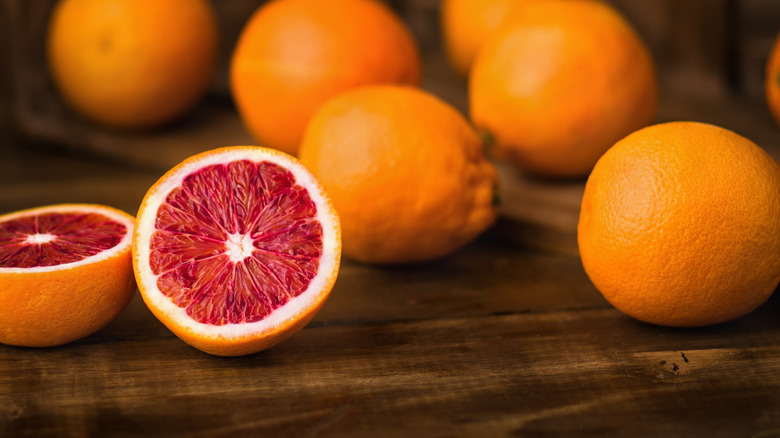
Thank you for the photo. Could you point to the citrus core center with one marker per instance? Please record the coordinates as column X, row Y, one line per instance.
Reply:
column 239, row 247
column 38, row 239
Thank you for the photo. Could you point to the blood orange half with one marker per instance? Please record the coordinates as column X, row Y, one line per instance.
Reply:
column 65, row 272
column 236, row 249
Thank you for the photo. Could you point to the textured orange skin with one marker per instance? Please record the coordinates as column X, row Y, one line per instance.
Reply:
column 132, row 63
column 467, row 24
column 293, row 55
column 560, row 84
column 680, row 225
column 772, row 81
column 53, row 308
column 405, row 170
column 220, row 346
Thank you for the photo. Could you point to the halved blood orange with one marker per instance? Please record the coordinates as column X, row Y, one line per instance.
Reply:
column 236, row 249
column 65, row 272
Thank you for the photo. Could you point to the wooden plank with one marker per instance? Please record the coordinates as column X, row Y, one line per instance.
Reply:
column 583, row 373
column 484, row 278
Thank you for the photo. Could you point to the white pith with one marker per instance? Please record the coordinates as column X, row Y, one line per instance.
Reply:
column 38, row 239
column 145, row 227
column 73, row 208
column 239, row 247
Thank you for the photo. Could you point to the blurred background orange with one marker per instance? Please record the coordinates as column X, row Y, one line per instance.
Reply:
column 704, row 49
column 710, row 57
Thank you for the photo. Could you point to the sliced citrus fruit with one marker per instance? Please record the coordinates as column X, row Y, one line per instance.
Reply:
column 236, row 249
column 65, row 272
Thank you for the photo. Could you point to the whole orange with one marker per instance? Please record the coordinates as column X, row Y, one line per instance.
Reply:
column 293, row 55
column 680, row 225
column 772, row 81
column 560, row 84
column 132, row 63
column 406, row 173
column 466, row 24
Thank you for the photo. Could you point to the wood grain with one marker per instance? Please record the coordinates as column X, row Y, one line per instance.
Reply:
column 591, row 372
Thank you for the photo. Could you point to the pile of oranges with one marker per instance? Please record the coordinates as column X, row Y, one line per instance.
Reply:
column 680, row 222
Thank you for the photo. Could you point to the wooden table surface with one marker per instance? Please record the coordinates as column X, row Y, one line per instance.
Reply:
column 506, row 337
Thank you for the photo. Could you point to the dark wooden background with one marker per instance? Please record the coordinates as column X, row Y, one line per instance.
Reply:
column 506, row 337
